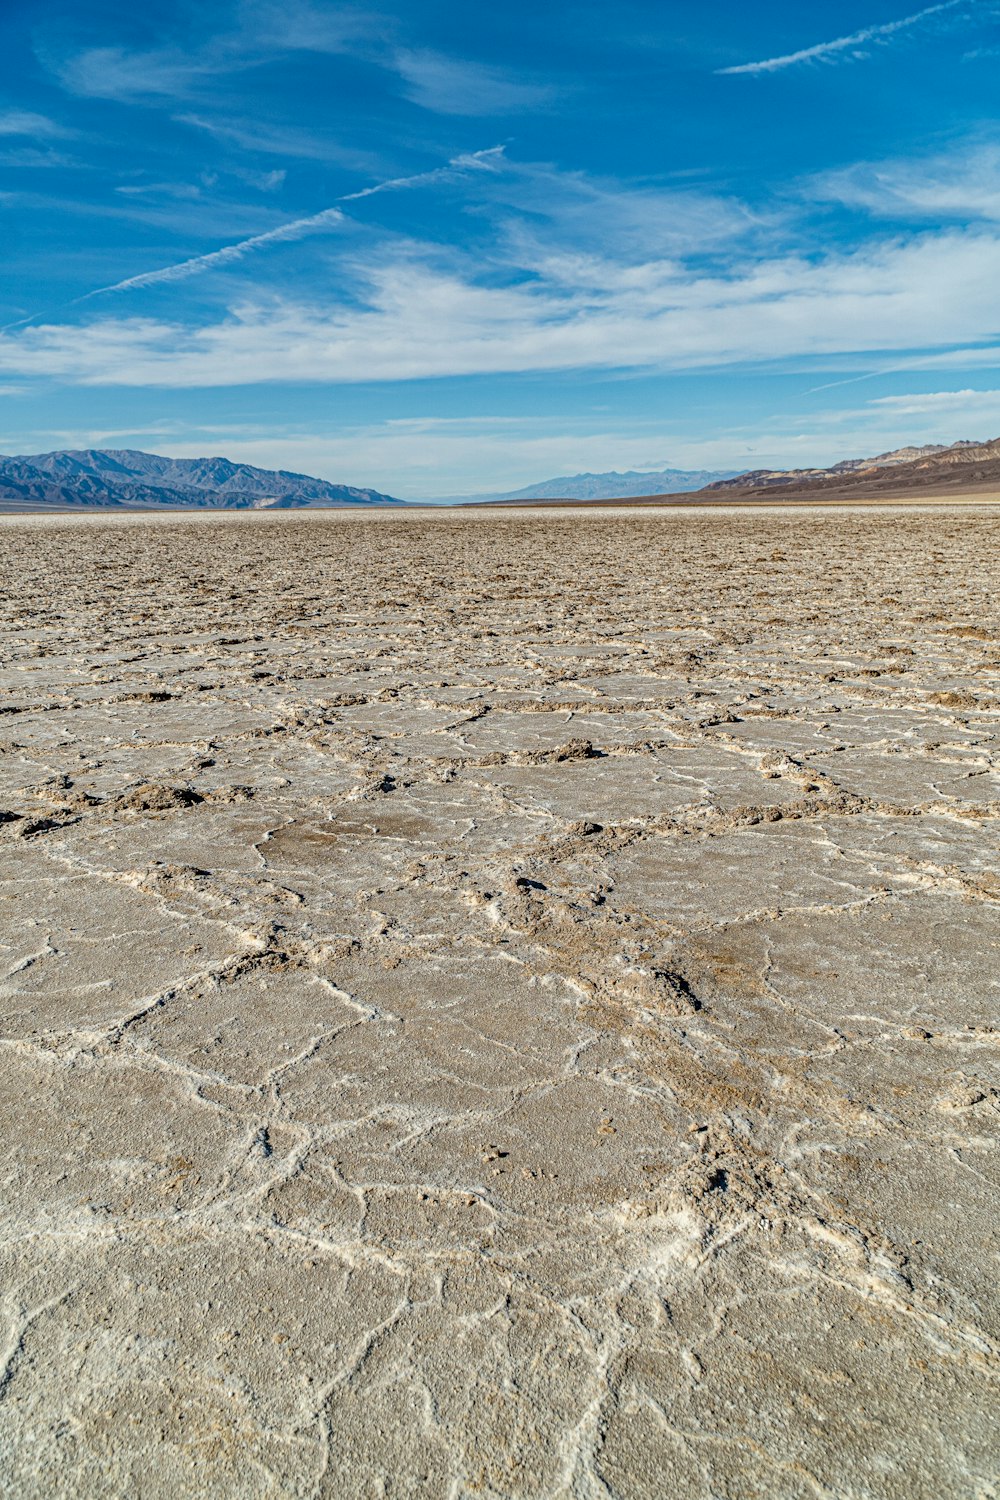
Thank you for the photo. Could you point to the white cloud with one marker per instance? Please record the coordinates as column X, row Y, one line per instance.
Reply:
column 295, row 26
column 598, row 230
column 267, row 182
column 31, row 158
column 432, row 79
column 187, row 190
column 405, row 317
column 118, row 73
column 265, row 28
column 23, row 122
column 969, row 403
column 970, row 356
column 295, row 142
column 845, row 46
column 962, row 184
column 455, row 86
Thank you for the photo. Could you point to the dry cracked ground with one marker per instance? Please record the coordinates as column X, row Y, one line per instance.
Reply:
column 500, row 1005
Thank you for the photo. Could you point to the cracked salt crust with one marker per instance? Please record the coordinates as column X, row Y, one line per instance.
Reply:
column 500, row 1006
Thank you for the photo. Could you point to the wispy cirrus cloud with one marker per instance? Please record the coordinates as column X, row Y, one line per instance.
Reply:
column 963, row 183
column 24, row 122
column 604, row 231
column 132, row 76
column 414, row 319
column 262, row 182
column 32, row 158
column 272, row 138
column 183, row 190
column 846, row 46
column 263, row 30
column 432, row 79
column 968, row 402
column 298, row 26
column 455, row 86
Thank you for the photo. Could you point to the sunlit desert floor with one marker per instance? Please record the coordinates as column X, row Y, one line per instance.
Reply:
column 500, row 1005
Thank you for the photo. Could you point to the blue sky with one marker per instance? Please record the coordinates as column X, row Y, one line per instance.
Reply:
column 440, row 248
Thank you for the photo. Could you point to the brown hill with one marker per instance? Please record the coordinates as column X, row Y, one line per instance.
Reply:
column 963, row 467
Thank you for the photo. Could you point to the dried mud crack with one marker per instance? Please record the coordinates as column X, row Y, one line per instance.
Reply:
column 500, row 1006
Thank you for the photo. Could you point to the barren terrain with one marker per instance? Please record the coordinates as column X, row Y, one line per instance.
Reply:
column 500, row 1005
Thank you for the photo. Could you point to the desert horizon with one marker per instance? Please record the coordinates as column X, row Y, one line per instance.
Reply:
column 131, row 480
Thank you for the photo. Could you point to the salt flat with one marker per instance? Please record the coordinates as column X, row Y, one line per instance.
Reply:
column 500, row 1005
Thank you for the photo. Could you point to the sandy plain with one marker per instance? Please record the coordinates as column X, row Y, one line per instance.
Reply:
column 500, row 1005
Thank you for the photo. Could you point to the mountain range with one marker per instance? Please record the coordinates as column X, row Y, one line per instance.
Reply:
column 127, row 479
column 124, row 477
column 931, row 470
column 613, row 485
column 915, row 459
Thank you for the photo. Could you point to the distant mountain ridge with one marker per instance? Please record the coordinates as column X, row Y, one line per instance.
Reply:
column 614, row 485
column 646, row 484
column 910, row 463
column 931, row 471
column 127, row 478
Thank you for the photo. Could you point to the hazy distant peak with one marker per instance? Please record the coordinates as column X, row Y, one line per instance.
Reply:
column 616, row 485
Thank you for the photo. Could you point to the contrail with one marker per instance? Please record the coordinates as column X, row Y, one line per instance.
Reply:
column 842, row 43
column 296, row 230
column 469, row 162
